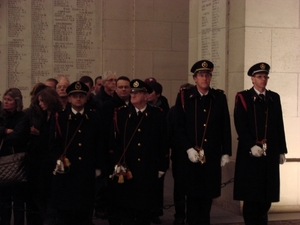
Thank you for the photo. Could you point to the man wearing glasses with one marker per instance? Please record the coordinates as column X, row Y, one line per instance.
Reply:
column 204, row 135
column 261, row 147
column 107, row 90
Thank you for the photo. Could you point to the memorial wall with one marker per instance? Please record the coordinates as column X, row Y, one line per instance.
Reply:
column 213, row 38
column 41, row 39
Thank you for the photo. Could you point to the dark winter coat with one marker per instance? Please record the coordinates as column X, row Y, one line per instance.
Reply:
column 19, row 138
column 74, row 190
column 203, row 180
column 145, row 155
column 257, row 178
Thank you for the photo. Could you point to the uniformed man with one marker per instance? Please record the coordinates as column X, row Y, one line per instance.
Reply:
column 80, row 154
column 261, row 148
column 203, row 132
column 138, row 155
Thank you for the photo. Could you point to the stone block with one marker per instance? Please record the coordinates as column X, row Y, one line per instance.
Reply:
column 117, row 34
column 286, row 50
column 153, row 35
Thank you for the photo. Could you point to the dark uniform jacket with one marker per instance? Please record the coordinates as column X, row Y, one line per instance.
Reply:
column 18, row 139
column 74, row 190
column 145, row 155
column 203, row 180
column 257, row 179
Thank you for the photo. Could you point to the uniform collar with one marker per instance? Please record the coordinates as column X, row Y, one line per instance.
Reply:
column 75, row 112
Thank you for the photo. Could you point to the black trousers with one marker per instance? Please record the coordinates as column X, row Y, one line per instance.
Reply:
column 178, row 191
column 71, row 217
column 16, row 195
column 136, row 217
column 256, row 213
column 159, row 198
column 198, row 210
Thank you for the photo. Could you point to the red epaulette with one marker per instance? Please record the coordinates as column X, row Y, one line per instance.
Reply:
column 239, row 95
column 182, row 97
column 116, row 128
column 57, row 126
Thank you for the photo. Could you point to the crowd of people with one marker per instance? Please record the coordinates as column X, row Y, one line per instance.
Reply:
column 102, row 147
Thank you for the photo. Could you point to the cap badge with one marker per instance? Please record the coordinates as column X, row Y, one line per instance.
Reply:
column 263, row 66
column 204, row 64
column 78, row 86
column 136, row 84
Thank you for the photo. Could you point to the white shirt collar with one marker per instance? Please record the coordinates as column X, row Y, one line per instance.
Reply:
column 75, row 112
column 141, row 110
column 258, row 93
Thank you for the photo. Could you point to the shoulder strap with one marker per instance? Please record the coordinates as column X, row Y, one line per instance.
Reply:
column 239, row 95
column 1, row 144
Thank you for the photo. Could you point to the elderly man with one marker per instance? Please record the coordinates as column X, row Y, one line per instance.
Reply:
column 61, row 87
column 108, row 88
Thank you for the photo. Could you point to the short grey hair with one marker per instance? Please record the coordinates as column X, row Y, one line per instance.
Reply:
column 16, row 94
column 108, row 73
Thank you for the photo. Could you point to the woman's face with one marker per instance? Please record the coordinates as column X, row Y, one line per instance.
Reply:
column 9, row 103
column 42, row 104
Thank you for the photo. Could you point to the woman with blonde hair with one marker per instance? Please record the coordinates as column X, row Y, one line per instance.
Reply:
column 14, row 135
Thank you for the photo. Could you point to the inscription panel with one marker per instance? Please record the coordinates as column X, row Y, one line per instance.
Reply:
column 42, row 39
column 213, row 38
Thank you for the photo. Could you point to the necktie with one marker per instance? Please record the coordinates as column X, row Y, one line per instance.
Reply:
column 139, row 113
column 262, row 97
column 78, row 115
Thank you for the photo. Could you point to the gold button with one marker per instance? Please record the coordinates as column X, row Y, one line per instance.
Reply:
column 79, row 158
column 139, row 144
column 79, row 144
column 205, row 140
column 139, row 130
column 204, row 125
column 139, row 159
column 204, row 110
column 79, row 131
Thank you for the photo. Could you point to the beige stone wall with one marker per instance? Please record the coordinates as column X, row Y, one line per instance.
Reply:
column 135, row 38
column 260, row 30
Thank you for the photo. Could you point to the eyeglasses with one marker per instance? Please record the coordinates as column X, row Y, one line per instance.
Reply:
column 262, row 77
column 61, row 86
column 203, row 74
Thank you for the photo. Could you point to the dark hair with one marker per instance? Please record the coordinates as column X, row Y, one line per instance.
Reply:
column 157, row 87
column 36, row 89
column 51, row 98
column 53, row 80
column 16, row 94
column 99, row 77
column 123, row 78
column 87, row 79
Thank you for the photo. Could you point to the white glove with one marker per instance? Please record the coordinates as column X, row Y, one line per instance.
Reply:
column 160, row 174
column 225, row 159
column 282, row 158
column 193, row 155
column 97, row 172
column 256, row 151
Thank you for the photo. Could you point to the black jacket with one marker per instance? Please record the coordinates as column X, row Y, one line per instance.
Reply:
column 19, row 138
column 146, row 151
column 74, row 190
column 203, row 180
column 257, row 179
